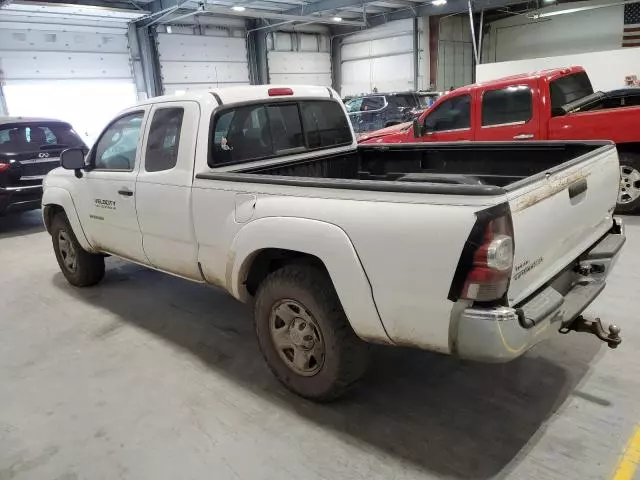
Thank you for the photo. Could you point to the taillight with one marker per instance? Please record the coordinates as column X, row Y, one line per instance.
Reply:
column 4, row 167
column 277, row 92
column 485, row 266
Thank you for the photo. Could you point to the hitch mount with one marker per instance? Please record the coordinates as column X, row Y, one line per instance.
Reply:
column 595, row 327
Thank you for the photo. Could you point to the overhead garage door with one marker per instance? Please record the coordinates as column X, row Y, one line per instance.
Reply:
column 379, row 58
column 211, row 57
column 66, row 62
column 299, row 59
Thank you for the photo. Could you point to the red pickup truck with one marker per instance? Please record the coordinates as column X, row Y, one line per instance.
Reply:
column 557, row 104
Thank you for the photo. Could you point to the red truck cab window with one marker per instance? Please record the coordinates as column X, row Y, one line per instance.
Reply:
column 450, row 121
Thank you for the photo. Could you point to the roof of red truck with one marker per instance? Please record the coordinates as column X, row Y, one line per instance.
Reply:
column 549, row 74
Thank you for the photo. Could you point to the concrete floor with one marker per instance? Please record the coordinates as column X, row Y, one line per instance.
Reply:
column 151, row 377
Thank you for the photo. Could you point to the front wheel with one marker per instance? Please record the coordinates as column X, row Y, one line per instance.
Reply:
column 304, row 334
column 80, row 268
column 629, row 193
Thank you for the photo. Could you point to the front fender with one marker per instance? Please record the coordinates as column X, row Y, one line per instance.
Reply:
column 323, row 240
column 56, row 196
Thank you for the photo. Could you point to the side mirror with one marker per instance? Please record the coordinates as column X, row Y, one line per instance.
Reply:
column 418, row 130
column 73, row 159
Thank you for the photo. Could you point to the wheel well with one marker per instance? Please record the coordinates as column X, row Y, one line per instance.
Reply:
column 48, row 213
column 629, row 147
column 271, row 259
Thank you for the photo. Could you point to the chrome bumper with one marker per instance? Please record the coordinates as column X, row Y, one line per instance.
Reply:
column 504, row 333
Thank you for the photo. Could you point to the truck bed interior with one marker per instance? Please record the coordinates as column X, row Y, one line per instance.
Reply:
column 498, row 165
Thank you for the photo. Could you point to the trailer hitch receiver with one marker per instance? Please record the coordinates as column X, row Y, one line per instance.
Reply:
column 595, row 327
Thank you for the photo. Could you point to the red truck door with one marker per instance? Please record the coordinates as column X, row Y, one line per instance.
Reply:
column 508, row 113
column 450, row 121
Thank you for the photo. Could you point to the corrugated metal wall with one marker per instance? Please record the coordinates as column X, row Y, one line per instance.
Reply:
column 455, row 53
column 381, row 57
column 299, row 58
column 199, row 58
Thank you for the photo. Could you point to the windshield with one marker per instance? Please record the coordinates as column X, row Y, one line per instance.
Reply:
column 568, row 89
column 23, row 138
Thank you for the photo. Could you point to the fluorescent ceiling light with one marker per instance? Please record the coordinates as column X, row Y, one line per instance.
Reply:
column 337, row 19
column 439, row 3
column 168, row 28
column 238, row 8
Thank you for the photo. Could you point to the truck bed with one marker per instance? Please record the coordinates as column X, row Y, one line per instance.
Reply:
column 464, row 168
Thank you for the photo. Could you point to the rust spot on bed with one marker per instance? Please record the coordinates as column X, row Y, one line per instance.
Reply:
column 548, row 190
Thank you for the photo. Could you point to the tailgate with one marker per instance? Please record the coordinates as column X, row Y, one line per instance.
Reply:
column 559, row 216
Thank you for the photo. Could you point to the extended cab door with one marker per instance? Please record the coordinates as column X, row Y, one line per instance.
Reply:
column 450, row 121
column 508, row 113
column 163, row 190
column 107, row 191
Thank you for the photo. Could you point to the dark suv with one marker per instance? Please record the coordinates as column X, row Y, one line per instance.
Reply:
column 29, row 149
column 381, row 110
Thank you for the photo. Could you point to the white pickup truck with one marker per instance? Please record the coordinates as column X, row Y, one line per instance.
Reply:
column 475, row 250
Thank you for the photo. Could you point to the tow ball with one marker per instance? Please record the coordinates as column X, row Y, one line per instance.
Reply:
column 581, row 324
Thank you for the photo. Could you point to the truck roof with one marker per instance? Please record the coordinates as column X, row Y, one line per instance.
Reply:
column 249, row 93
column 14, row 120
column 549, row 74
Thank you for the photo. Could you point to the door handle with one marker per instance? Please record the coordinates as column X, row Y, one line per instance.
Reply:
column 577, row 188
column 125, row 192
column 523, row 136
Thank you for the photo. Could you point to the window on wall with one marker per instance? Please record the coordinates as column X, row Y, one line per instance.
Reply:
column 262, row 131
column 507, row 105
column 164, row 139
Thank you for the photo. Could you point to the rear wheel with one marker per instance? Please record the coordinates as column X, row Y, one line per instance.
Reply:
column 629, row 193
column 304, row 334
column 80, row 268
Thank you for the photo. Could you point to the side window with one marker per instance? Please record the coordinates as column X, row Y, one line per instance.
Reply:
column 325, row 124
column 164, row 140
column 354, row 104
column 452, row 114
column 116, row 148
column 508, row 105
column 372, row 103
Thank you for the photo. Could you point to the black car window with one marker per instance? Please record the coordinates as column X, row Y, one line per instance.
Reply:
column 325, row 124
column 569, row 89
column 116, row 148
column 27, row 137
column 403, row 101
column 164, row 140
column 260, row 131
column 372, row 103
column 507, row 105
column 354, row 104
column 452, row 114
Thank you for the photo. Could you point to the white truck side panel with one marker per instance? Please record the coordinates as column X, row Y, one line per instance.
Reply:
column 60, row 196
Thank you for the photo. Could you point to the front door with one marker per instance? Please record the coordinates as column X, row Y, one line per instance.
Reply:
column 449, row 122
column 108, row 189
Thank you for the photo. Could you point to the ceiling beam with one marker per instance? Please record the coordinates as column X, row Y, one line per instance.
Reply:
column 428, row 10
column 249, row 13
column 324, row 5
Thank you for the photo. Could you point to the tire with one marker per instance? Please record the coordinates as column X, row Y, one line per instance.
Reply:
column 80, row 268
column 629, row 194
column 334, row 358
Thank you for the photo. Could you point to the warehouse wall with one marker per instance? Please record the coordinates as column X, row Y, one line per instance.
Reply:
column 606, row 69
column 299, row 58
column 455, row 52
column 519, row 37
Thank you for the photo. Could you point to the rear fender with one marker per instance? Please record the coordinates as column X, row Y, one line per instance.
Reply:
column 327, row 242
column 55, row 196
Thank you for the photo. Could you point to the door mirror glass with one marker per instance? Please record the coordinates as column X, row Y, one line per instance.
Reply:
column 418, row 129
column 72, row 159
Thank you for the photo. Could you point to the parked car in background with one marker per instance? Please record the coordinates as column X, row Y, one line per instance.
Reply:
column 557, row 104
column 29, row 149
column 263, row 191
column 380, row 110
column 427, row 99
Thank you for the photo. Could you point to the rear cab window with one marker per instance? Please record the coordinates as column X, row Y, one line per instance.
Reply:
column 507, row 106
column 568, row 89
column 254, row 132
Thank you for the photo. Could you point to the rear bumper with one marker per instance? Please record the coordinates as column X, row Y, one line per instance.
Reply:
column 503, row 333
column 20, row 199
